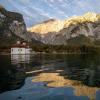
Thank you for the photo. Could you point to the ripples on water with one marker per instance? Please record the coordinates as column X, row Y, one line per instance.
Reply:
column 49, row 77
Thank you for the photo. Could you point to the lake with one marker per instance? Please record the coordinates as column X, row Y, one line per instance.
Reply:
column 50, row 77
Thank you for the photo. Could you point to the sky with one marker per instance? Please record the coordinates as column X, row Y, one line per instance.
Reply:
column 36, row 11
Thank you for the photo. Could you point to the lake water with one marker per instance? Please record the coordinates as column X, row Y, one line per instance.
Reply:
column 50, row 77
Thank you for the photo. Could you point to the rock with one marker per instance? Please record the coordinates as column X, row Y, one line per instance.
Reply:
column 12, row 28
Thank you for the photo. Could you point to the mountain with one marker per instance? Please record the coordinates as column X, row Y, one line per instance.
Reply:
column 12, row 28
column 51, row 25
column 58, row 32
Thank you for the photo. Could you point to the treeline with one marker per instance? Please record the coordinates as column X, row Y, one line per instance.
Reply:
column 58, row 48
column 66, row 48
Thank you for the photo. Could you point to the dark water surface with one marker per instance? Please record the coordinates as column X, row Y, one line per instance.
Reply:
column 49, row 77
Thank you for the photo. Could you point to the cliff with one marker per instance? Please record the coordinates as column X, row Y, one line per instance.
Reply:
column 12, row 28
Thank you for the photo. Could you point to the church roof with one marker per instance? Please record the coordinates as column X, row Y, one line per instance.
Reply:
column 20, row 45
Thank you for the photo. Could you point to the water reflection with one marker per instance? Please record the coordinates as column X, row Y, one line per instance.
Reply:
column 80, row 72
column 11, row 77
column 55, row 80
column 16, row 59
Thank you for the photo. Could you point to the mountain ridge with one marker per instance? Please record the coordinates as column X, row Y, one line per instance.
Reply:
column 89, row 16
column 59, row 31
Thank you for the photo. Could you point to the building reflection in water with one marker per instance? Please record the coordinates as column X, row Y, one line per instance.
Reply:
column 13, row 75
column 17, row 59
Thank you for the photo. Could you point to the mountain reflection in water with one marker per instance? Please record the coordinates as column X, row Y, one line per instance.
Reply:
column 79, row 72
column 54, row 80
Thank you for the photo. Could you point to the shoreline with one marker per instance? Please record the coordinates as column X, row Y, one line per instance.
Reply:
column 7, row 53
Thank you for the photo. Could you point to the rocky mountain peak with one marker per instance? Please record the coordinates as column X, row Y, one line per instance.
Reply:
column 1, row 7
column 47, row 26
column 59, row 31
column 90, row 16
column 54, row 25
column 50, row 20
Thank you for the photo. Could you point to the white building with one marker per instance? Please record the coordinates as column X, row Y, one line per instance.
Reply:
column 20, row 48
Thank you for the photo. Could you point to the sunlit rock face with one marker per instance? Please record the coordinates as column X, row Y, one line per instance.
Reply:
column 59, row 31
column 51, row 25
